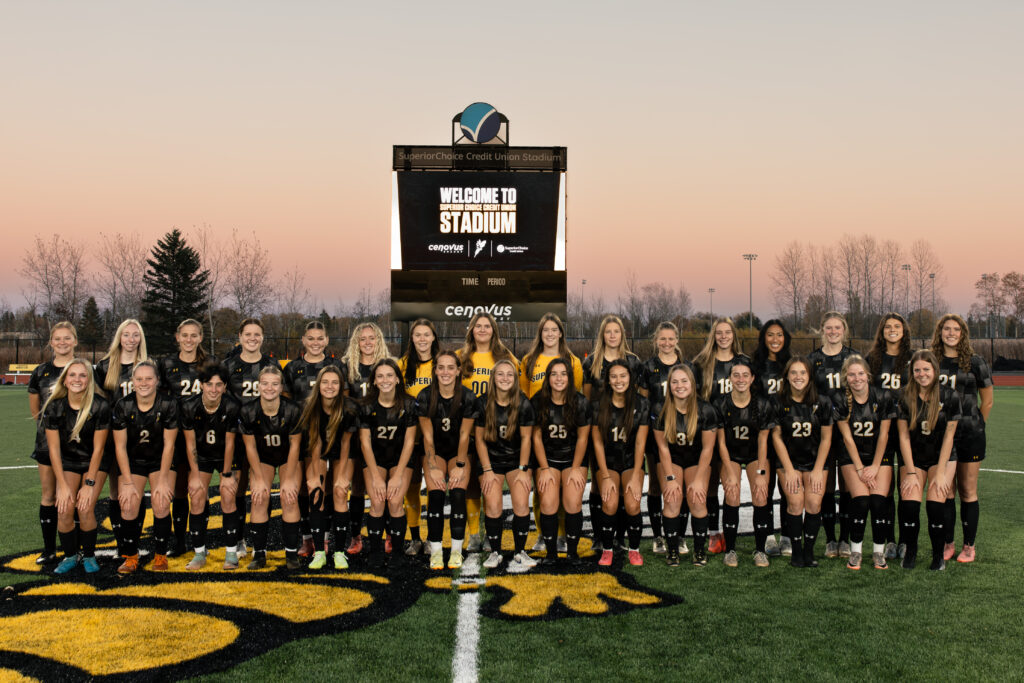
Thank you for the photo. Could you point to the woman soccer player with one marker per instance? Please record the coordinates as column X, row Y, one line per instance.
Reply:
column 560, row 448
column 619, row 432
column 863, row 417
column 654, row 386
column 387, row 433
column 969, row 376
column 329, row 420
column 63, row 340
column 179, row 377
column 447, row 412
column 210, row 423
column 711, row 367
column 503, row 432
column 826, row 369
column 770, row 358
column 889, row 361
column 928, row 417
column 746, row 422
column 685, row 433
column 802, row 436
column 417, row 366
column 76, row 420
column 145, row 426
column 272, row 435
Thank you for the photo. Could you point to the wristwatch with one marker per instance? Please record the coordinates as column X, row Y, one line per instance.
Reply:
column 460, row 463
column 670, row 477
column 762, row 472
column 227, row 475
column 523, row 468
column 90, row 482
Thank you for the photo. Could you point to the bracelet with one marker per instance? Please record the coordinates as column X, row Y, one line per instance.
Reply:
column 914, row 472
column 860, row 469
column 541, row 469
column 489, row 469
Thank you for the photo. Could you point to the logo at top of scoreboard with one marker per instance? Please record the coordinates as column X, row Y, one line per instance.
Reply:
column 480, row 122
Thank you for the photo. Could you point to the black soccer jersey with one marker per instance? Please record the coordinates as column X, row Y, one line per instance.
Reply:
column 636, row 374
column 59, row 416
column 244, row 378
column 179, row 378
column 620, row 443
column 41, row 383
column 387, row 428
column 559, row 439
column 210, row 428
column 655, row 379
column 768, row 378
column 504, row 451
column 271, row 433
column 742, row 426
column 966, row 384
column 349, row 425
column 865, row 422
column 686, row 453
column 800, row 424
column 891, row 377
column 446, row 423
column 300, row 376
column 145, row 428
column 720, row 381
column 826, row 370
column 361, row 387
column 124, row 380
column 926, row 439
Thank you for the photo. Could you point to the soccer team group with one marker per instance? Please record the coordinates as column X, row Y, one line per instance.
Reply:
column 353, row 440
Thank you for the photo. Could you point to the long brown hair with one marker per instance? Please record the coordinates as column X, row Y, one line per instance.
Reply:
column 913, row 390
column 669, row 410
column 435, row 394
column 412, row 357
column 879, row 345
column 314, row 409
column 537, row 347
column 786, row 391
column 515, row 397
column 569, row 409
column 604, row 411
column 498, row 349
column 599, row 347
column 964, row 350
column 200, row 351
column 705, row 360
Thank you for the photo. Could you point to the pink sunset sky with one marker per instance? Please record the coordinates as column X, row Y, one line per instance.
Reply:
column 696, row 131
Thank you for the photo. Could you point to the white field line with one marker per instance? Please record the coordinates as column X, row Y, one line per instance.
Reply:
column 467, row 626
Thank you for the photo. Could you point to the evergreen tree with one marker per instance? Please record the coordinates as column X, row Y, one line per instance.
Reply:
column 176, row 289
column 90, row 329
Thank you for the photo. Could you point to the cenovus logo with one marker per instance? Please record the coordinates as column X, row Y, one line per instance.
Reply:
column 480, row 122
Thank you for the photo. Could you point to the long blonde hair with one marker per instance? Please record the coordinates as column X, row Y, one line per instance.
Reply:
column 913, row 390
column 705, row 360
column 599, row 347
column 669, row 412
column 351, row 357
column 498, row 349
column 964, row 350
column 114, row 354
column 491, row 407
column 60, row 391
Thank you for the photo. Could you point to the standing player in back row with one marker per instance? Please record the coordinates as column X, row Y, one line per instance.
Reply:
column 770, row 358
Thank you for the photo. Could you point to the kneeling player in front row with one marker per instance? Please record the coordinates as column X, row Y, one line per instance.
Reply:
column 210, row 423
column 272, row 436
column 145, row 425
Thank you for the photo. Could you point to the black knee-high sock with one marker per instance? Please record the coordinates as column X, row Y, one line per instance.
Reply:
column 240, row 508
column 520, row 529
column 936, row 512
column 773, row 522
column 549, row 532
column 356, row 506
column 812, row 523
column 969, row 515
column 396, row 530
column 793, row 528
column 880, row 522
column 259, row 536
column 672, row 532
column 910, row 518
column 457, row 522
column 317, row 527
column 621, row 522
column 341, row 523
column 291, row 534
column 573, row 531
column 435, row 516
column 654, row 514
column 161, row 534
column 949, row 519
column 684, row 515
column 197, row 529
column 179, row 519
column 607, row 529
column 129, row 539
column 858, row 518
column 890, row 519
column 88, row 539
column 492, row 526
column 69, row 542
column 714, row 511
column 634, row 527
column 114, row 514
column 828, row 514
column 48, row 525
column 231, row 529
column 730, row 525
column 374, row 534
column 700, row 533
column 304, row 527
column 762, row 526
column 845, row 511
column 594, row 504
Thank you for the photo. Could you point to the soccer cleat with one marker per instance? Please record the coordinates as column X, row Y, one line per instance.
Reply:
column 700, row 558
column 938, row 564
column 901, row 551
column 230, row 560
column 761, row 559
column 473, row 545
column 730, row 559
column 809, row 560
column 355, row 545
column 879, row 560
column 259, row 561
column 493, row 560
column 306, row 549
column 966, row 554
column 910, row 560
column 854, row 561
column 387, row 544
column 198, row 562
column 340, row 561
column 90, row 565
column 319, row 560
column 455, row 560
column 539, row 545
column 130, row 564
column 437, row 559
column 606, row 558
column 67, row 564
column 159, row 563
column 716, row 544
column 831, row 549
column 683, row 548
column 597, row 546
column 844, row 549
column 487, row 545
column 562, row 545
column 635, row 558
column 243, row 549
column 179, row 549
column 672, row 557
column 785, row 546
column 658, row 547
column 890, row 551
column 948, row 551
column 292, row 562
column 522, row 562
column 414, row 547
column 771, row 546
column 46, row 559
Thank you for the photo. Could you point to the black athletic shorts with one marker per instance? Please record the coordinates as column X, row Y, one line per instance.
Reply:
column 41, row 457
column 970, row 441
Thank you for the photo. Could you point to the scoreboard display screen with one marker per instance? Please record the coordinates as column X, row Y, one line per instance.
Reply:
column 478, row 237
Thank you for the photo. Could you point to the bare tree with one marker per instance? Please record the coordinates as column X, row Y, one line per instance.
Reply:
column 119, row 283
column 789, row 281
column 214, row 259
column 992, row 299
column 294, row 295
column 57, row 279
column 923, row 264
column 1013, row 290
column 631, row 304
column 248, row 275
column 890, row 260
